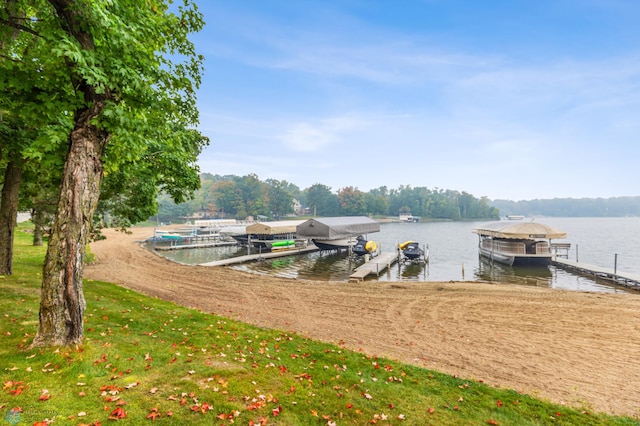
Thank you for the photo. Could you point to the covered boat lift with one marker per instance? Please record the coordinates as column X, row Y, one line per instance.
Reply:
column 277, row 227
column 519, row 230
column 517, row 243
column 337, row 233
column 264, row 234
column 335, row 228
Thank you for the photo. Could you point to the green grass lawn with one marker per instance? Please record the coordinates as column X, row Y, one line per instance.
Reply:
column 146, row 360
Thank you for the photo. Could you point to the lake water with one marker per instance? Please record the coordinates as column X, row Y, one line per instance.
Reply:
column 453, row 255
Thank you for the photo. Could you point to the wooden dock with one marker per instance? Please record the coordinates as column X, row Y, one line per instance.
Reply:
column 261, row 256
column 374, row 266
column 195, row 245
column 608, row 274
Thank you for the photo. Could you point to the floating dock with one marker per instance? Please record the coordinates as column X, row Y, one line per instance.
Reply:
column 260, row 256
column 160, row 247
column 608, row 274
column 374, row 266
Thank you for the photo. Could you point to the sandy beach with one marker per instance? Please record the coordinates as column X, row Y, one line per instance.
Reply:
column 575, row 348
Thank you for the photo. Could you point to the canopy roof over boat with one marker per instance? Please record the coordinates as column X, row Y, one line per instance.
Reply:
column 233, row 230
column 275, row 227
column 333, row 228
column 519, row 230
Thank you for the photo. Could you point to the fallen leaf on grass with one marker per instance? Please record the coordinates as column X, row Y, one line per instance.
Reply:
column 118, row 414
column 154, row 414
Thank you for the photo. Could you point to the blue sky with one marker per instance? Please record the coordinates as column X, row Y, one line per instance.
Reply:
column 515, row 99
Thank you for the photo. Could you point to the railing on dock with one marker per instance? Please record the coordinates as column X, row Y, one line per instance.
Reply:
column 608, row 274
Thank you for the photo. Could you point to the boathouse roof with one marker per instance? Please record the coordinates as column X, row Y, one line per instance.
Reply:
column 519, row 230
column 274, row 227
column 333, row 228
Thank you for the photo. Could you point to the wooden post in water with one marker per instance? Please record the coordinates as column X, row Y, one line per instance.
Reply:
column 615, row 266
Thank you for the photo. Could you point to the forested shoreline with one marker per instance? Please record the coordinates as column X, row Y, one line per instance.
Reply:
column 247, row 196
column 232, row 196
column 571, row 207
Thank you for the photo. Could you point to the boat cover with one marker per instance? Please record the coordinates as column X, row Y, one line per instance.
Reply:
column 233, row 230
column 275, row 227
column 519, row 230
column 334, row 228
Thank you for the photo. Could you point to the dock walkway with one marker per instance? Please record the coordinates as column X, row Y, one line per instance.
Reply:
column 374, row 266
column 205, row 244
column 261, row 256
column 621, row 278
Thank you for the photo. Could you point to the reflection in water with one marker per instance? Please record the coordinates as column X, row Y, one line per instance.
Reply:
column 538, row 276
column 319, row 266
column 415, row 271
column 453, row 256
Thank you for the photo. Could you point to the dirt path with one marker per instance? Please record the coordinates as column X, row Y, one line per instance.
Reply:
column 582, row 349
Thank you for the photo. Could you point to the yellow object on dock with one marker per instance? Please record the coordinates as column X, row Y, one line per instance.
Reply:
column 375, row 266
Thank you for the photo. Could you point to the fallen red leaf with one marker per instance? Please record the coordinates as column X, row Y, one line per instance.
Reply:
column 117, row 414
column 154, row 414
column 10, row 384
column 17, row 391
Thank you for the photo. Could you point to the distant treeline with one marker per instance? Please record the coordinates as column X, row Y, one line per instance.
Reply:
column 240, row 197
column 571, row 207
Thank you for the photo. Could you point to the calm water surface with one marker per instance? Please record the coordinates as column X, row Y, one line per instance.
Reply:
column 454, row 256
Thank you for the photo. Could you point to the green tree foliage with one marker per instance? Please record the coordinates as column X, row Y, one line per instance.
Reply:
column 254, row 195
column 228, row 200
column 572, row 207
column 114, row 83
column 321, row 201
column 224, row 196
column 280, row 198
column 352, row 201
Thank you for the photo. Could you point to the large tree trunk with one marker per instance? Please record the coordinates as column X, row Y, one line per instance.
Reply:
column 8, row 215
column 62, row 303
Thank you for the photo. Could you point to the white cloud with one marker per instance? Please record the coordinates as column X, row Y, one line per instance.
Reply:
column 308, row 137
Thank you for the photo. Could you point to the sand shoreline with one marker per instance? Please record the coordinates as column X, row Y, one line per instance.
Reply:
column 569, row 347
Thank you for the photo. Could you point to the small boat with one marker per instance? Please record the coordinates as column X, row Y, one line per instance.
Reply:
column 513, row 244
column 407, row 217
column 336, row 233
column 364, row 246
column 334, row 244
column 412, row 251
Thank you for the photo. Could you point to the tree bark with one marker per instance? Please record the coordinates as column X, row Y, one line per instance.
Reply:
column 62, row 302
column 37, row 215
column 8, row 215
